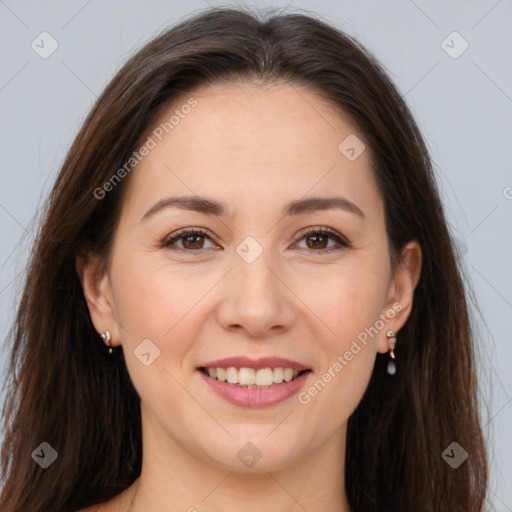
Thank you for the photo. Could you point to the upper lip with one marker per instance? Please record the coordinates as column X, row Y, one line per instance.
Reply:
column 247, row 362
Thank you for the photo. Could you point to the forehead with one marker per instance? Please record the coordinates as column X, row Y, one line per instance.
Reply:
column 239, row 142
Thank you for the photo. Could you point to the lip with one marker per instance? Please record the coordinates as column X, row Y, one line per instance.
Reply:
column 247, row 362
column 246, row 397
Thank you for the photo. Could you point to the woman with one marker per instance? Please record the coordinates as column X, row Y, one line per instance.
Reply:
column 244, row 294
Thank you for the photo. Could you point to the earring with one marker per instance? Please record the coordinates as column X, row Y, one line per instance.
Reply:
column 391, row 335
column 106, row 337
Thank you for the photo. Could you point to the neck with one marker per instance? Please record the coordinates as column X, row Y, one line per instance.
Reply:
column 175, row 479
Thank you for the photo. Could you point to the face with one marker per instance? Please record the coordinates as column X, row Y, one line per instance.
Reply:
column 254, row 266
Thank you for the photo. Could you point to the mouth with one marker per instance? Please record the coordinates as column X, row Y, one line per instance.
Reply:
column 252, row 378
column 245, row 382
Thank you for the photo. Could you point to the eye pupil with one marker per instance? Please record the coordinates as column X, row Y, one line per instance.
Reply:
column 316, row 237
column 194, row 246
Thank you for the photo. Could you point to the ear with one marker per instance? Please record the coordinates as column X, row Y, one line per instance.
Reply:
column 98, row 295
column 401, row 291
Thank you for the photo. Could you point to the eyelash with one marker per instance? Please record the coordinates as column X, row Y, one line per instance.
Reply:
column 184, row 233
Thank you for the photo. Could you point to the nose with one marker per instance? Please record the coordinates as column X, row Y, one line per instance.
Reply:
column 256, row 300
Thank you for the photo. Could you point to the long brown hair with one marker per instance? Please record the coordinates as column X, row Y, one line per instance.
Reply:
column 64, row 389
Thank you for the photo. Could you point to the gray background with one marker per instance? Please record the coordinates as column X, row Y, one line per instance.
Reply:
column 463, row 105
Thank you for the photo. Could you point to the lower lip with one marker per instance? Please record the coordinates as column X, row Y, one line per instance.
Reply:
column 253, row 397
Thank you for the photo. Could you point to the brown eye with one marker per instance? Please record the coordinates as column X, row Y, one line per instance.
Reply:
column 318, row 241
column 191, row 240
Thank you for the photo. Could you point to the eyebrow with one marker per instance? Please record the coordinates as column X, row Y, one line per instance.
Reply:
column 215, row 208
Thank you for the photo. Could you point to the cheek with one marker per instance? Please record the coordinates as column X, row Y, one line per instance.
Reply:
column 156, row 302
column 154, row 299
column 350, row 304
column 348, row 300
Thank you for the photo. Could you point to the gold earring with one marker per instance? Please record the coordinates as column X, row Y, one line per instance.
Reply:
column 391, row 335
column 107, row 340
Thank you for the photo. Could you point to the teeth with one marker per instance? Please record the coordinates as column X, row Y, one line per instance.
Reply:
column 246, row 376
column 249, row 377
column 278, row 375
column 288, row 374
column 232, row 375
column 221, row 374
column 264, row 377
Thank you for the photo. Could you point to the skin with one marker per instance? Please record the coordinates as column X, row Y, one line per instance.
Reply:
column 255, row 149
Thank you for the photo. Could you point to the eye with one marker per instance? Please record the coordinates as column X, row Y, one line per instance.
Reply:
column 189, row 239
column 317, row 240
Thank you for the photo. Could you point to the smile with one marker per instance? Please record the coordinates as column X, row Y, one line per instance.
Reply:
column 251, row 378
column 246, row 382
